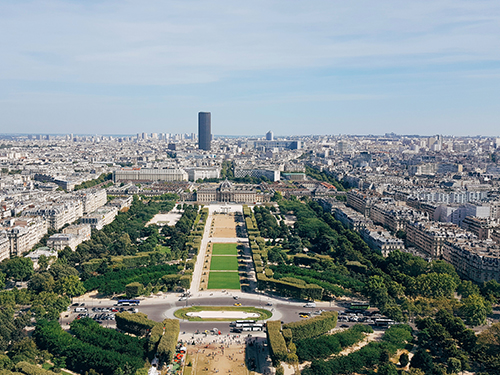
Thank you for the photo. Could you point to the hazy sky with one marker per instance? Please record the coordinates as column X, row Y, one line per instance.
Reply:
column 294, row 67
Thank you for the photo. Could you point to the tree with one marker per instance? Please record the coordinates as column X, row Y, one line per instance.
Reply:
column 466, row 288
column 18, row 269
column 134, row 289
column 61, row 269
column 43, row 262
column 491, row 289
column 41, row 282
column 2, row 280
column 70, row 286
column 403, row 359
column 423, row 361
column 454, row 365
column 474, row 310
column 387, row 369
column 435, row 285
column 376, row 290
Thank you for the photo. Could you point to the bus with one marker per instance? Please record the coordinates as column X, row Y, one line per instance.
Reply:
column 243, row 322
column 383, row 322
column 248, row 327
column 128, row 302
column 359, row 306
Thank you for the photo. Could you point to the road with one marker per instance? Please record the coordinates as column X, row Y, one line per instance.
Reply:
column 164, row 305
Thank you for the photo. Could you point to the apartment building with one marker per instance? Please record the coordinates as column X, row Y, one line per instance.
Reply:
column 362, row 201
column 476, row 260
column 58, row 214
column 101, row 217
column 4, row 245
column 351, row 219
column 393, row 216
column 479, row 226
column 148, row 174
column 92, row 199
column 26, row 233
column 71, row 236
column 377, row 238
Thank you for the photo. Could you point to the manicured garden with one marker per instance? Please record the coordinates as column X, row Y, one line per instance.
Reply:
column 224, row 280
column 181, row 314
column 224, row 263
column 225, row 249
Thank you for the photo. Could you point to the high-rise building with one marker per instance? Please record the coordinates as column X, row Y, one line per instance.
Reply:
column 269, row 136
column 204, row 131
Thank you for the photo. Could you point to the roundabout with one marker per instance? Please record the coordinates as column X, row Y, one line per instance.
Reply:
column 222, row 313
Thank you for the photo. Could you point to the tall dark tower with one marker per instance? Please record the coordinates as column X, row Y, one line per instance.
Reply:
column 204, row 131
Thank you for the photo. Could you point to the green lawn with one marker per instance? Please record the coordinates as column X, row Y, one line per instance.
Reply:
column 181, row 314
column 224, row 263
column 223, row 280
column 225, row 249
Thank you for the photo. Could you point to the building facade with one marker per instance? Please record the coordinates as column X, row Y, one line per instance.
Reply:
column 229, row 192
column 148, row 174
column 204, row 130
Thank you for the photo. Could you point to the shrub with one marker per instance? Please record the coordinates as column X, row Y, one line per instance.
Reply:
column 29, row 369
column 154, row 339
column 138, row 324
column 287, row 334
column 276, row 341
column 313, row 327
column 133, row 289
column 166, row 346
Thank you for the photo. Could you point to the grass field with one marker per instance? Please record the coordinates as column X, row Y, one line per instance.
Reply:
column 224, row 263
column 224, row 249
column 181, row 313
column 223, row 280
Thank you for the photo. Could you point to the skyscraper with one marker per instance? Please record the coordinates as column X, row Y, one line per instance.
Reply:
column 204, row 131
column 269, row 136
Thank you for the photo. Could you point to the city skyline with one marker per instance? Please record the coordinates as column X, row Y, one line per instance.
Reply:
column 316, row 68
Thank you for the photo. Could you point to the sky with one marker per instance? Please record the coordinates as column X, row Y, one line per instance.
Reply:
column 294, row 67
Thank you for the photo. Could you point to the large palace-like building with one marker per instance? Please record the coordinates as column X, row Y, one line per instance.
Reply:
column 228, row 192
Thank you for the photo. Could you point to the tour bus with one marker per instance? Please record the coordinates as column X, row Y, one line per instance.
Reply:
column 242, row 322
column 128, row 302
column 359, row 306
column 248, row 327
column 383, row 322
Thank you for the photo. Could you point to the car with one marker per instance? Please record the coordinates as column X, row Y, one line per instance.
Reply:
column 304, row 316
column 235, row 297
column 344, row 326
column 237, row 304
column 114, row 310
column 269, row 304
column 82, row 304
column 183, row 298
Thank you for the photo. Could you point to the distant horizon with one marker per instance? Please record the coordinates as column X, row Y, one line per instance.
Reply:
column 255, row 135
column 317, row 67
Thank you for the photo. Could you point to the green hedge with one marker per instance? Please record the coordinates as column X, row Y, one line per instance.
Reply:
column 29, row 369
column 138, row 324
column 154, row 339
column 287, row 334
column 326, row 345
column 313, row 327
column 305, row 260
column 308, row 291
column 166, row 346
column 269, row 272
column 277, row 344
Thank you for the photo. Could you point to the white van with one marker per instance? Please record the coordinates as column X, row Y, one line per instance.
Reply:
column 310, row 304
column 81, row 309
